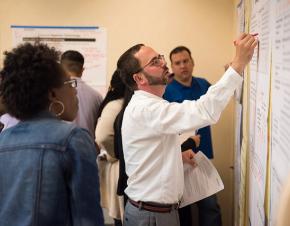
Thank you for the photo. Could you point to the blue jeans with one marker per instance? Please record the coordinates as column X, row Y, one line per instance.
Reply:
column 209, row 213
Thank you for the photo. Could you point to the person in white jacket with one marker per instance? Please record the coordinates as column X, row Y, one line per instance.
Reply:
column 108, row 161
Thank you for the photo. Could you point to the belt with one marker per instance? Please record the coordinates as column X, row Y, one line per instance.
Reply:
column 154, row 207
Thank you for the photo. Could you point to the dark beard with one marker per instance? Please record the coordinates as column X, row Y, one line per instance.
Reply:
column 154, row 81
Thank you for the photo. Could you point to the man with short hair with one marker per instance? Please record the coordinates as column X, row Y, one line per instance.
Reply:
column 186, row 87
column 151, row 126
column 89, row 99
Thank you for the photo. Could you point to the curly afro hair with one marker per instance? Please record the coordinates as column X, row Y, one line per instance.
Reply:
column 29, row 73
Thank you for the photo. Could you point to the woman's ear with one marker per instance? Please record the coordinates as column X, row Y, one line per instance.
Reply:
column 56, row 106
column 52, row 95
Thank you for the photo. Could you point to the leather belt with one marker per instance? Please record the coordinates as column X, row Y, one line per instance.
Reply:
column 154, row 207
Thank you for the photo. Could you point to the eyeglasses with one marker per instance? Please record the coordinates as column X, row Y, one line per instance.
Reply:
column 156, row 61
column 73, row 83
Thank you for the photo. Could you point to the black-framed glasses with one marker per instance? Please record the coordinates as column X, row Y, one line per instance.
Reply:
column 73, row 83
column 155, row 61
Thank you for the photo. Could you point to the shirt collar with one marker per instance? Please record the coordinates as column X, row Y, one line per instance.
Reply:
column 43, row 115
column 147, row 94
column 176, row 83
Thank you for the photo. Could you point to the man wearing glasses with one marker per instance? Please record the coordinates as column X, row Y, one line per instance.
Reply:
column 89, row 99
column 185, row 86
column 151, row 126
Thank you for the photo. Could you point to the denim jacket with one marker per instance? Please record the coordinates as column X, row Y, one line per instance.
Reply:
column 48, row 175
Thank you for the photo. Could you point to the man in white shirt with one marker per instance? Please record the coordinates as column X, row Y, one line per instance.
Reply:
column 151, row 126
column 89, row 99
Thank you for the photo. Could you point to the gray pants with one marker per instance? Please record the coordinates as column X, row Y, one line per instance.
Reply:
column 135, row 217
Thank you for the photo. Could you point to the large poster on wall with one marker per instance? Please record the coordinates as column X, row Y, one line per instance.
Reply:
column 90, row 41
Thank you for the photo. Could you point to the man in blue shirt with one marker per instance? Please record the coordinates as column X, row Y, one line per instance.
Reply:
column 186, row 87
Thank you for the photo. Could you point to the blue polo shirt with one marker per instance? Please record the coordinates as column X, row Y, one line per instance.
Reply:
column 176, row 92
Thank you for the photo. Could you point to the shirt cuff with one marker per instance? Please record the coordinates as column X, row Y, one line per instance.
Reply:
column 231, row 78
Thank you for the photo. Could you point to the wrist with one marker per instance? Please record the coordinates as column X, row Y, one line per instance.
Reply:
column 238, row 67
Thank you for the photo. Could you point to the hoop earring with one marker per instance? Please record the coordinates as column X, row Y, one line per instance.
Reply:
column 56, row 102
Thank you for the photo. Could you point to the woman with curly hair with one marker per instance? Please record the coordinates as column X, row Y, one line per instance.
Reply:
column 48, row 174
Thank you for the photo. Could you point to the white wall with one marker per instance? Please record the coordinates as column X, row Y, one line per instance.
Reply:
column 205, row 26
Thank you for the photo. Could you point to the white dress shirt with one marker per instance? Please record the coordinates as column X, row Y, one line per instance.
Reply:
column 151, row 146
column 89, row 103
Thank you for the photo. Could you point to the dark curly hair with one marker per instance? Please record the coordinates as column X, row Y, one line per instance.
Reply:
column 29, row 73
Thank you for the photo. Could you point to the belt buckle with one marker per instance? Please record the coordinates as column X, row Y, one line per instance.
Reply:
column 178, row 204
column 140, row 205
